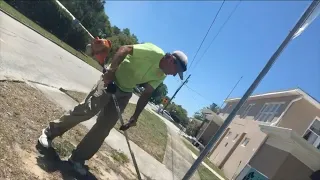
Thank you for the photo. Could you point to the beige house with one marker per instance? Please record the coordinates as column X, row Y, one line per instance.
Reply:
column 276, row 133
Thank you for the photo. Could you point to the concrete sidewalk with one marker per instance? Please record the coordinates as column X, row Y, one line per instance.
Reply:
column 177, row 157
column 148, row 165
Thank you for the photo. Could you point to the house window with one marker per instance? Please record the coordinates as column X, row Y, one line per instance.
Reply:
column 246, row 111
column 235, row 137
column 268, row 111
column 312, row 135
column 245, row 142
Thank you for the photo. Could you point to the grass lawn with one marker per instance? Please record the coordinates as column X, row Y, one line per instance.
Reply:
column 24, row 20
column 202, row 170
column 150, row 133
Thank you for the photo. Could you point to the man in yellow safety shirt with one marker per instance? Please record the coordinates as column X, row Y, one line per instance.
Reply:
column 131, row 65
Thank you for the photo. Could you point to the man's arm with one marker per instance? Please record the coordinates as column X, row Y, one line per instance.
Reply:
column 143, row 100
column 122, row 52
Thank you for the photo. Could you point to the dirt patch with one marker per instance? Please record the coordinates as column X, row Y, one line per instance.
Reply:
column 24, row 111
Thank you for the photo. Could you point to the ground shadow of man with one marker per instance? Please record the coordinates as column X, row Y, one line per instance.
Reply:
column 50, row 161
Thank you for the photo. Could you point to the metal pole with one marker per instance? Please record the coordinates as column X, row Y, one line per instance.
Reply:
column 126, row 136
column 231, row 91
column 74, row 19
column 177, row 92
column 253, row 86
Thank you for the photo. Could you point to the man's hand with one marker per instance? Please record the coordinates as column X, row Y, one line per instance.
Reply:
column 142, row 102
column 130, row 123
column 109, row 76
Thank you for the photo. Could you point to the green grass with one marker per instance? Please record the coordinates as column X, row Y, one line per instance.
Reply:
column 63, row 147
column 206, row 174
column 150, row 133
column 191, row 147
column 24, row 20
column 119, row 157
column 202, row 170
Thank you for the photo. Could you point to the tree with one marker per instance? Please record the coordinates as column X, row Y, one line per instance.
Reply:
column 192, row 128
column 198, row 115
column 90, row 13
column 178, row 114
column 115, row 30
column 126, row 31
column 160, row 92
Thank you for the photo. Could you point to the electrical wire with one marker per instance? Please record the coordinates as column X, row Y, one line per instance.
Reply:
column 225, row 22
column 205, row 98
column 206, row 34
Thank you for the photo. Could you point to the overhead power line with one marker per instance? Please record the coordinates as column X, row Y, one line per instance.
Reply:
column 225, row 22
column 205, row 98
column 207, row 33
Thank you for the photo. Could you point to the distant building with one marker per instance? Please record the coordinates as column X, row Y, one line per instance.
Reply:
column 212, row 123
column 277, row 134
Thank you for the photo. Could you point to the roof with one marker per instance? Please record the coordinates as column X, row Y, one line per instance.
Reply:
column 291, row 92
column 212, row 116
column 289, row 141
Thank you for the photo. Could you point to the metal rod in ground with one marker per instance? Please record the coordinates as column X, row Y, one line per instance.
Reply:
column 253, row 86
column 184, row 82
column 126, row 136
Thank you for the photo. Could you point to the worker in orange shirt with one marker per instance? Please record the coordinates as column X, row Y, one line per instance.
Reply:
column 99, row 49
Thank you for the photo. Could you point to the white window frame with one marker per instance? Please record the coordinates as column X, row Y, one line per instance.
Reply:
column 270, row 114
column 245, row 142
column 317, row 141
column 247, row 110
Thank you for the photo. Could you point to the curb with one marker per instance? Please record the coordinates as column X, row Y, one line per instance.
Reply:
column 21, row 80
column 2, row 10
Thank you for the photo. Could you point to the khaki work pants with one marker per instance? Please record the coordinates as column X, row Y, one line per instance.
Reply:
column 96, row 101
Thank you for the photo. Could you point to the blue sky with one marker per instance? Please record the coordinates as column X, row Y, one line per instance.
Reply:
column 243, row 47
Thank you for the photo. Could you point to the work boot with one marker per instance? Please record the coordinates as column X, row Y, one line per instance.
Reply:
column 78, row 167
column 45, row 139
